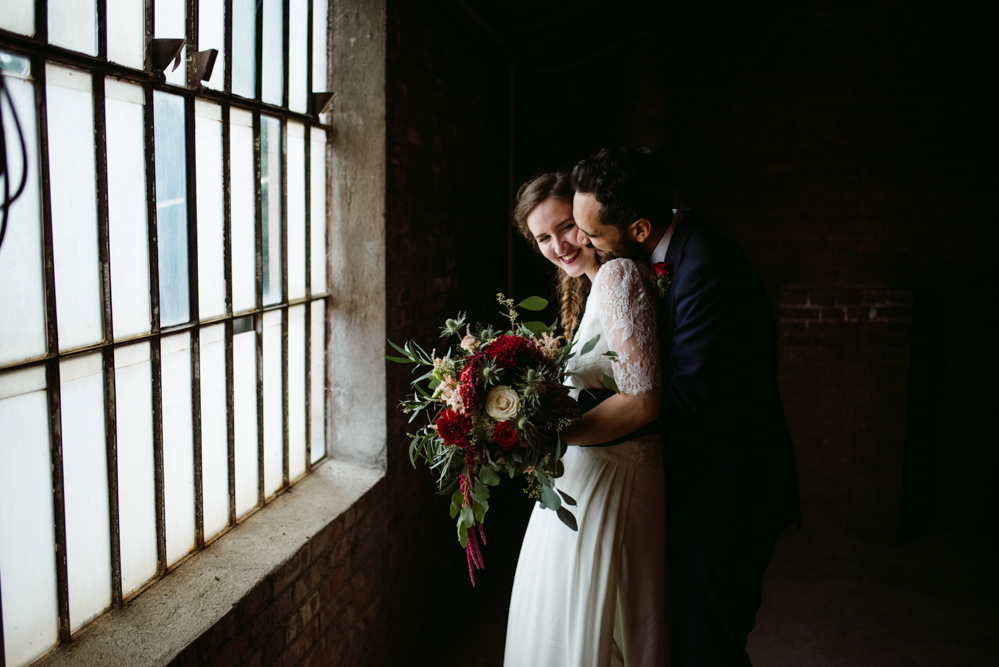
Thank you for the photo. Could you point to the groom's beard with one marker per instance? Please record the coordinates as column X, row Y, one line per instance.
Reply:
column 628, row 249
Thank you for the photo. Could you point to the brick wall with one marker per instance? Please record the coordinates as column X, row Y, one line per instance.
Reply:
column 837, row 143
column 844, row 371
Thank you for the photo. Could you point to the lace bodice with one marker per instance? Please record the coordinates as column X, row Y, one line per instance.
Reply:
column 623, row 312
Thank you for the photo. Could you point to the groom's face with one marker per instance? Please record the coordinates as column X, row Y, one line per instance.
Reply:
column 607, row 240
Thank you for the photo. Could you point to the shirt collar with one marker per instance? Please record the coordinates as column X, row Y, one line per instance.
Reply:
column 659, row 254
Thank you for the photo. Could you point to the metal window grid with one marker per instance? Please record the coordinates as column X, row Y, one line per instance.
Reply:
column 39, row 51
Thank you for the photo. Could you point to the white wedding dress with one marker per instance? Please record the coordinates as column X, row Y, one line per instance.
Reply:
column 597, row 597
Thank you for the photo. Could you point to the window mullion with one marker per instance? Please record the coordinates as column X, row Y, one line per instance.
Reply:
column 285, row 291
column 308, row 271
column 52, row 348
column 227, row 268
column 258, row 319
column 227, row 80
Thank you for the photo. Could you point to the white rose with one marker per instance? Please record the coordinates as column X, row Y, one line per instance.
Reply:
column 502, row 403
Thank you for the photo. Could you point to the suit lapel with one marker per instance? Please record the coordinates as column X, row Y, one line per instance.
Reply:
column 674, row 254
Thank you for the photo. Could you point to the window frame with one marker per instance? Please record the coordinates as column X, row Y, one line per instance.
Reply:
column 37, row 49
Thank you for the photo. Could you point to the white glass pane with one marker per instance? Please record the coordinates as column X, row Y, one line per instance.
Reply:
column 317, row 212
column 296, row 391
column 319, row 53
column 317, row 364
column 243, row 218
column 22, row 310
column 18, row 16
column 72, row 179
column 244, row 48
column 273, row 422
column 136, row 481
column 273, row 56
column 270, row 206
column 296, row 211
column 126, row 22
column 169, row 21
column 178, row 445
column 127, row 209
column 214, row 431
column 211, row 273
column 85, row 481
column 298, row 55
column 27, row 541
column 171, row 207
column 211, row 35
column 73, row 25
column 244, row 395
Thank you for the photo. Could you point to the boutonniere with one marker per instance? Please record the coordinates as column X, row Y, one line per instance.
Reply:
column 661, row 279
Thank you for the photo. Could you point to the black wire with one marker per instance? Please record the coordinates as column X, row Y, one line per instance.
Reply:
column 9, row 200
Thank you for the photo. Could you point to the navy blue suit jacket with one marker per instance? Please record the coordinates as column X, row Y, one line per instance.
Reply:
column 728, row 456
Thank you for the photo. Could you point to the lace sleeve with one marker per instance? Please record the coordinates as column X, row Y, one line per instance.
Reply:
column 629, row 325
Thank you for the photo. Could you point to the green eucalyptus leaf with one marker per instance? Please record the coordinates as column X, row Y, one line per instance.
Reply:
column 516, row 455
column 454, row 511
column 488, row 476
column 533, row 303
column 569, row 500
column 536, row 328
column 462, row 534
column 399, row 360
column 567, row 518
column 480, row 512
column 549, row 498
column 402, row 350
column 610, row 384
column 590, row 344
column 467, row 516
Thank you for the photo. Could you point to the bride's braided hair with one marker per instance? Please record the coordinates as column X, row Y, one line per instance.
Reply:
column 572, row 292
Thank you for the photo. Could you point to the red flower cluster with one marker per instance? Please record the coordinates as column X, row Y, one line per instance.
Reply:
column 454, row 428
column 469, row 389
column 506, row 435
column 661, row 269
column 508, row 350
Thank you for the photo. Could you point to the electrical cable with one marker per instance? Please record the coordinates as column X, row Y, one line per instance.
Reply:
column 8, row 199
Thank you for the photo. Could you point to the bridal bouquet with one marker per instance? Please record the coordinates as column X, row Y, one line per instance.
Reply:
column 495, row 405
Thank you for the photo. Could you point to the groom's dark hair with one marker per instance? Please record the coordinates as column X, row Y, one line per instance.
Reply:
column 629, row 183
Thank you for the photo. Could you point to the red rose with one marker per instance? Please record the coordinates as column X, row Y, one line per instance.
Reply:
column 661, row 269
column 454, row 428
column 506, row 351
column 506, row 435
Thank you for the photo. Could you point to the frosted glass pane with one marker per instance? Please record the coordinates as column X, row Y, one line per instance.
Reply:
column 126, row 25
column 171, row 207
column 244, row 48
column 273, row 422
column 296, row 211
column 214, row 432
column 319, row 53
column 296, row 391
column 243, row 218
column 211, row 273
column 317, row 212
column 27, row 541
column 73, row 25
column 169, row 21
column 127, row 209
column 178, row 445
column 273, row 56
column 72, row 179
column 298, row 55
column 244, row 360
column 317, row 363
column 211, row 35
column 22, row 310
column 270, row 206
column 136, row 494
column 18, row 16
column 85, row 481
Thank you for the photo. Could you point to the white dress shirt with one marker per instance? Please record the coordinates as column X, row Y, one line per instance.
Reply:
column 659, row 254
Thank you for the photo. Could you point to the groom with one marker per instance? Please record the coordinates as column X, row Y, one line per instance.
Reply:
column 731, row 483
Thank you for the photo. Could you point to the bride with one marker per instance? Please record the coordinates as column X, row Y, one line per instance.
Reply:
column 596, row 597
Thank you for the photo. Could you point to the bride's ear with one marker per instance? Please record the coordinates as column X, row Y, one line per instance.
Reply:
column 640, row 230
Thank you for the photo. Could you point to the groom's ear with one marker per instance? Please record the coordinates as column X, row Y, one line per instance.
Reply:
column 640, row 230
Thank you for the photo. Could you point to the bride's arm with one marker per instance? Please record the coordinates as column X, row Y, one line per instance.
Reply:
column 629, row 324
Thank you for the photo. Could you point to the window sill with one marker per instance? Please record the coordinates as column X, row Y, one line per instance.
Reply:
column 172, row 613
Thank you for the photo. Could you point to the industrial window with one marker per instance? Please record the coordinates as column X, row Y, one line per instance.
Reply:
column 163, row 289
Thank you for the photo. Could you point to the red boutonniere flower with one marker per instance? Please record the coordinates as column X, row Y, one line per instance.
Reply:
column 506, row 435
column 661, row 279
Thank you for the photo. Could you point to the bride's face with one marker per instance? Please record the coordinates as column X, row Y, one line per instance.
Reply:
column 557, row 237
